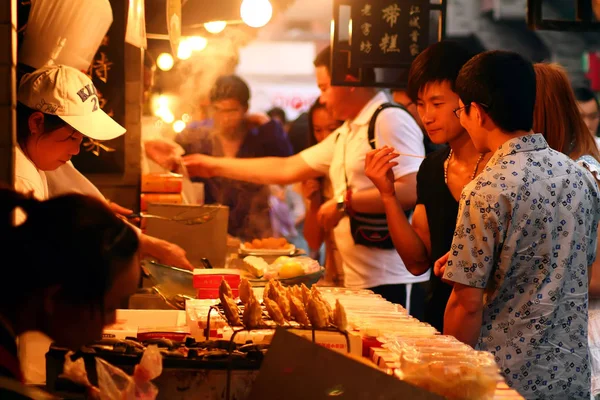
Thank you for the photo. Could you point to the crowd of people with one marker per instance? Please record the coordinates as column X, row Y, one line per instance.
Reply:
column 472, row 201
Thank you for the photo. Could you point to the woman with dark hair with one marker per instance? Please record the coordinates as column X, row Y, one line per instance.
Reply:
column 77, row 263
column 317, row 191
column 557, row 117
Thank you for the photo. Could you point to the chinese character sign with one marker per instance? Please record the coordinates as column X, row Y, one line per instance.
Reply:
column 107, row 72
column 390, row 32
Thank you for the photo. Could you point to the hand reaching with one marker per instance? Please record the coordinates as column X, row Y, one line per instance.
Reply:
column 378, row 168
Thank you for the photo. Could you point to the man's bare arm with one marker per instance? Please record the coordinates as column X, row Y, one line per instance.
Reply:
column 266, row 170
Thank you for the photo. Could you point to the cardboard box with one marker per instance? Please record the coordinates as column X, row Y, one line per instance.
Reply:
column 205, row 237
column 162, row 183
column 131, row 322
column 159, row 198
column 334, row 341
column 296, row 369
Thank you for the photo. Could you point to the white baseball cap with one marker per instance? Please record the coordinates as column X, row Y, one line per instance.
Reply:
column 69, row 94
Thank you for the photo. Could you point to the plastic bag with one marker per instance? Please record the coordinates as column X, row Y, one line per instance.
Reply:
column 75, row 371
column 113, row 383
column 116, row 384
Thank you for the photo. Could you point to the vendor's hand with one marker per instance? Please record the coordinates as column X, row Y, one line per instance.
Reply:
column 119, row 210
column 164, row 252
column 199, row 165
column 164, row 153
column 257, row 119
column 329, row 216
column 378, row 168
column 123, row 212
column 311, row 190
column 440, row 265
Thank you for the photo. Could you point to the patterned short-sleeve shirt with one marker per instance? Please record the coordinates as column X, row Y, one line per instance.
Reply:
column 526, row 234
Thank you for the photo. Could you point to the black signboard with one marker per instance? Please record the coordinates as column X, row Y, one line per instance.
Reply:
column 107, row 72
column 381, row 34
column 388, row 34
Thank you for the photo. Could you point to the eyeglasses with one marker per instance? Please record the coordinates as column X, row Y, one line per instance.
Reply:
column 459, row 110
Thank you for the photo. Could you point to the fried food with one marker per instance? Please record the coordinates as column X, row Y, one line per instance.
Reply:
column 274, row 311
column 317, row 313
column 297, row 310
column 232, row 313
column 270, row 291
column 253, row 315
column 224, row 290
column 279, row 286
column 305, row 295
column 297, row 292
column 315, row 293
column 276, row 292
column 268, row 244
column 284, row 304
column 246, row 292
column 339, row 316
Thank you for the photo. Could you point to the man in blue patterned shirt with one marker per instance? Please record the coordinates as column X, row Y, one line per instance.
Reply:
column 524, row 240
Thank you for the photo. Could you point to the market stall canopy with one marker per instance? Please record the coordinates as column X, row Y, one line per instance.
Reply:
column 196, row 12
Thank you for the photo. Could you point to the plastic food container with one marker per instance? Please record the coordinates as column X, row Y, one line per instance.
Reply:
column 473, row 375
column 211, row 278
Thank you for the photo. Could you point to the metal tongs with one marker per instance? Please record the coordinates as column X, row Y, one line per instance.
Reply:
column 173, row 285
column 204, row 218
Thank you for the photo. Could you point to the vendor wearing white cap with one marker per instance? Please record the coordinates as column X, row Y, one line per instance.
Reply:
column 57, row 107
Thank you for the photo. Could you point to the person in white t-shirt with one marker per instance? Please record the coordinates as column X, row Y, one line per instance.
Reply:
column 342, row 155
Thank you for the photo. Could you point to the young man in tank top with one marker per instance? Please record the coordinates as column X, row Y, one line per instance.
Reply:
column 441, row 177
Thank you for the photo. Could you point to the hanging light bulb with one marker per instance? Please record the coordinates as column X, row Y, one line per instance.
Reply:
column 256, row 13
column 162, row 101
column 165, row 61
column 178, row 126
column 184, row 50
column 215, row 26
column 197, row 43
column 167, row 116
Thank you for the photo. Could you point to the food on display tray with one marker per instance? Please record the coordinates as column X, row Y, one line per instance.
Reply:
column 269, row 244
column 360, row 322
column 274, row 311
column 245, row 291
column 460, row 376
column 252, row 316
column 288, row 270
column 317, row 313
column 297, row 310
column 256, row 265
column 339, row 316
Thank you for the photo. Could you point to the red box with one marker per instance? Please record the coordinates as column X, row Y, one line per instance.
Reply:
column 211, row 278
column 213, row 293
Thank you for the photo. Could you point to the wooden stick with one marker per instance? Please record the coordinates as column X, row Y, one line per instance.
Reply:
column 410, row 155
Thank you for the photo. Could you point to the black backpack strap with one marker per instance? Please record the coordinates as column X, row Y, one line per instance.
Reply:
column 382, row 107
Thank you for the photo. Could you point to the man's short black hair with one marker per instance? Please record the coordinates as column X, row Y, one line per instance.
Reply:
column 438, row 63
column 230, row 87
column 584, row 94
column 323, row 59
column 503, row 83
